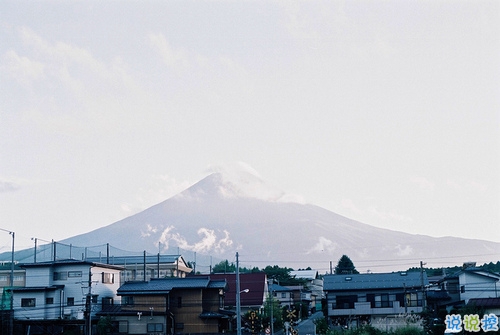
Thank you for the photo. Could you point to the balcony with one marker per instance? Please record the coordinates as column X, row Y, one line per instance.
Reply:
column 364, row 308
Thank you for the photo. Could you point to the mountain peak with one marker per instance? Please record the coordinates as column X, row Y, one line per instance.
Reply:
column 237, row 180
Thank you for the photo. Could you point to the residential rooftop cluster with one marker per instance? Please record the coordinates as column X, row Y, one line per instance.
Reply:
column 162, row 295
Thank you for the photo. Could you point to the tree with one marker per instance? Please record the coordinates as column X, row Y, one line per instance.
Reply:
column 345, row 266
column 281, row 275
column 274, row 304
column 224, row 267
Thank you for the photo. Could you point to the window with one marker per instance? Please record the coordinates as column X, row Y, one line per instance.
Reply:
column 60, row 276
column 382, row 301
column 74, row 274
column 49, row 301
column 28, row 302
column 155, row 327
column 70, row 301
column 94, row 298
column 106, row 302
column 283, row 295
column 127, row 300
column 412, row 300
column 123, row 327
column 108, row 278
column 345, row 301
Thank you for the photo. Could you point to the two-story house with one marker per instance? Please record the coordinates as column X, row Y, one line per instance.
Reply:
column 252, row 285
column 314, row 284
column 63, row 294
column 469, row 283
column 283, row 294
column 192, row 305
column 374, row 298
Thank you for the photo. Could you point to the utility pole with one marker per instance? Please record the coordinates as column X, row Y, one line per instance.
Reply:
column 422, row 284
column 88, row 307
column 238, row 303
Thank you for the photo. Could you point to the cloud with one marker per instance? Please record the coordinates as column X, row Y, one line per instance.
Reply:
column 209, row 240
column 93, row 95
column 239, row 179
column 404, row 251
column 423, row 183
column 323, row 245
column 21, row 68
column 349, row 204
column 8, row 186
column 149, row 231
column 176, row 59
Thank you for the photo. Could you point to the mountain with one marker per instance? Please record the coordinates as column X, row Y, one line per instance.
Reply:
column 229, row 212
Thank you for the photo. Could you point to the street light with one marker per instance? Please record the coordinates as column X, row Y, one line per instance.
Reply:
column 238, row 307
column 11, row 323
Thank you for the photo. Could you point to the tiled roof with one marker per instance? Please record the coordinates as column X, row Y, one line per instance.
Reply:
column 254, row 282
column 38, row 288
column 165, row 285
column 484, row 302
column 373, row 281
column 278, row 288
column 304, row 274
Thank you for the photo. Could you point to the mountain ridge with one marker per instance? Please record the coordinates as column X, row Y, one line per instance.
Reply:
column 219, row 216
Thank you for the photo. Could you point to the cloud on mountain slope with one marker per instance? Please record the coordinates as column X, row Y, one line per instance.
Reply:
column 239, row 179
column 210, row 240
column 323, row 245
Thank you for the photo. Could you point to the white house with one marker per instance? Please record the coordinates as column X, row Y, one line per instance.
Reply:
column 62, row 292
column 470, row 283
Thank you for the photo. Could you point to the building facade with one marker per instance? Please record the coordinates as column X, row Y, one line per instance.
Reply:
column 377, row 298
column 63, row 294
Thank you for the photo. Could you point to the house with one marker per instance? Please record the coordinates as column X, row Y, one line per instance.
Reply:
column 17, row 273
column 59, row 295
column 375, row 298
column 488, row 305
column 191, row 305
column 469, row 283
column 313, row 285
column 283, row 294
column 148, row 266
column 253, row 287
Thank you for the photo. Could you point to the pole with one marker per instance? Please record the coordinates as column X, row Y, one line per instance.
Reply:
column 34, row 255
column 238, row 306
column 272, row 308
column 88, row 301
column 11, row 321
column 422, row 283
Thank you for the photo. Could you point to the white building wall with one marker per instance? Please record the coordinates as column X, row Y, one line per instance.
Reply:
column 69, row 300
column 475, row 286
column 39, row 276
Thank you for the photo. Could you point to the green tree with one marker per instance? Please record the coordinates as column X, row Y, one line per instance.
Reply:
column 272, row 303
column 224, row 267
column 104, row 325
column 321, row 325
column 345, row 266
column 281, row 275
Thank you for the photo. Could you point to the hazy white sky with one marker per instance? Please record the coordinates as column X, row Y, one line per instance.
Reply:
column 386, row 112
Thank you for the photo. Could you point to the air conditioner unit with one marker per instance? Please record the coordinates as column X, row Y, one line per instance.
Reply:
column 67, row 313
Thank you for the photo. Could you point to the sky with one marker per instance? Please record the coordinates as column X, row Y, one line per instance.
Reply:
column 386, row 112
